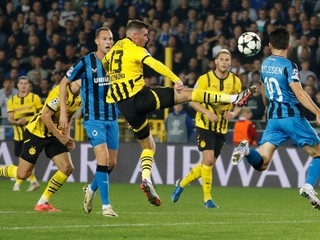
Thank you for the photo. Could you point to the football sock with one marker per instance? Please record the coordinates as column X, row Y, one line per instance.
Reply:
column 54, row 184
column 32, row 177
column 212, row 97
column 18, row 182
column 313, row 171
column 146, row 160
column 102, row 179
column 9, row 171
column 94, row 184
column 206, row 175
column 194, row 174
column 254, row 159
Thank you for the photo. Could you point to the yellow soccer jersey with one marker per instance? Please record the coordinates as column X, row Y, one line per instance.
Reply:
column 37, row 127
column 23, row 107
column 127, row 82
column 229, row 85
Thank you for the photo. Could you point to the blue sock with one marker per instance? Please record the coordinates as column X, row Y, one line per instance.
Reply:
column 102, row 179
column 313, row 171
column 94, row 184
column 254, row 159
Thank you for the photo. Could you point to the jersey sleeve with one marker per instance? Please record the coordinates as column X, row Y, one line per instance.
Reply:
column 10, row 105
column 53, row 102
column 293, row 72
column 160, row 68
column 238, row 85
column 202, row 83
column 38, row 103
column 77, row 71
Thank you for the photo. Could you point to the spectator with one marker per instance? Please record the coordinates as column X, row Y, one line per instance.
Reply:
column 182, row 10
column 245, row 5
column 67, row 14
column 189, row 47
column 305, row 72
column 179, row 125
column 244, row 129
column 255, row 103
column 8, row 91
column 202, row 59
column 44, row 89
column 262, row 20
column 37, row 65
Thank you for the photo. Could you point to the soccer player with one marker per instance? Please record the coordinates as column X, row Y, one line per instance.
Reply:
column 43, row 132
column 100, row 118
column 283, row 95
column 21, row 109
column 124, row 64
column 212, row 125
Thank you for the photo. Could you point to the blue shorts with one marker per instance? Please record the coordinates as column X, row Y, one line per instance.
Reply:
column 102, row 132
column 298, row 129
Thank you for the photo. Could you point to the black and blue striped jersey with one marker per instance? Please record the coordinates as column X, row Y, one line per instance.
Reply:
column 94, row 88
column 276, row 74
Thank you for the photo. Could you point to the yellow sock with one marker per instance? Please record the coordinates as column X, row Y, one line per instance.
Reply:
column 193, row 175
column 9, row 171
column 32, row 177
column 55, row 183
column 18, row 182
column 206, row 174
column 146, row 160
column 211, row 97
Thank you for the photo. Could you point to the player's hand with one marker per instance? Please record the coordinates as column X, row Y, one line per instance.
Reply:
column 71, row 146
column 212, row 117
column 63, row 122
column 228, row 116
column 178, row 86
column 21, row 121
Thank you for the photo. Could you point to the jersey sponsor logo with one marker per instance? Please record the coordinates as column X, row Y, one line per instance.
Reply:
column 101, row 81
column 70, row 71
column 32, row 150
column 94, row 70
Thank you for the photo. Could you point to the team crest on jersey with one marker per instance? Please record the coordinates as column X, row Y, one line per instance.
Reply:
column 202, row 143
column 32, row 150
column 70, row 71
column 94, row 133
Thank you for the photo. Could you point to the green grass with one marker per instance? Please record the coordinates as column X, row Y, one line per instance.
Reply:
column 244, row 213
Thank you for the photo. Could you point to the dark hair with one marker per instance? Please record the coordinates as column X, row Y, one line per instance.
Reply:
column 137, row 24
column 279, row 37
column 101, row 29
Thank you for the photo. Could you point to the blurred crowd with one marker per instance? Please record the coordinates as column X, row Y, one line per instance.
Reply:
column 43, row 38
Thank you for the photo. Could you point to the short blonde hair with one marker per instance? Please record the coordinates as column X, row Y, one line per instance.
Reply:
column 223, row 50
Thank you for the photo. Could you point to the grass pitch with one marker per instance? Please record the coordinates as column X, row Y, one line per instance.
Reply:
column 244, row 213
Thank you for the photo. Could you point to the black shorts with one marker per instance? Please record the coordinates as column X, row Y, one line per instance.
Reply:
column 18, row 148
column 208, row 140
column 136, row 108
column 33, row 146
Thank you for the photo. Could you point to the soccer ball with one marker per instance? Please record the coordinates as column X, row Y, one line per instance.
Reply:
column 249, row 43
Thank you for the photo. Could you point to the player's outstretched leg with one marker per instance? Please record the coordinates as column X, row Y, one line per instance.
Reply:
column 309, row 193
column 239, row 152
column 244, row 95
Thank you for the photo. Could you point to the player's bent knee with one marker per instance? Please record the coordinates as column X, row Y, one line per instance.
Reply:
column 23, row 175
column 67, row 170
